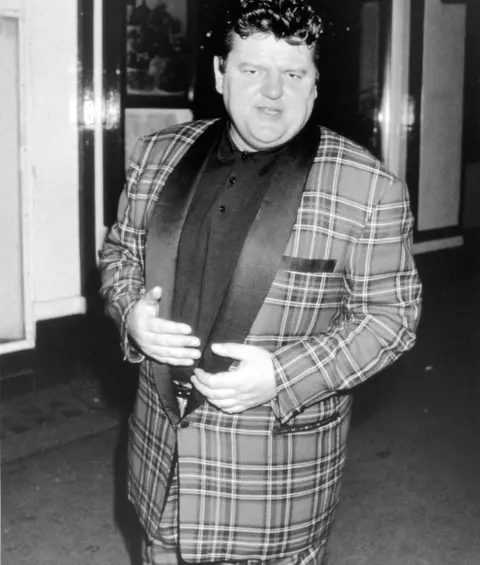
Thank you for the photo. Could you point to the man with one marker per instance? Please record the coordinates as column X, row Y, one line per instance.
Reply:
column 259, row 269
column 140, row 14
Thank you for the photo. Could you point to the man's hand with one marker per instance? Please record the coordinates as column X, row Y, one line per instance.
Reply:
column 162, row 340
column 252, row 383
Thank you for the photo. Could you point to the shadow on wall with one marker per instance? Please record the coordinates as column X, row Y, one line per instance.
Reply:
column 102, row 365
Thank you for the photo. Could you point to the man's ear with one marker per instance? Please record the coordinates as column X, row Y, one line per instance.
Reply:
column 218, row 64
column 317, row 82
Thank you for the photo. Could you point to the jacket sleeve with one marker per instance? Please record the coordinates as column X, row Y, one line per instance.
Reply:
column 121, row 261
column 381, row 309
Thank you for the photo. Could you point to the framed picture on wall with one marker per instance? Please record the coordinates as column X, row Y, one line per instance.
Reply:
column 159, row 52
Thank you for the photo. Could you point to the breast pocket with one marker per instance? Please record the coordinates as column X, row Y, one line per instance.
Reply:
column 304, row 297
column 302, row 265
column 310, row 283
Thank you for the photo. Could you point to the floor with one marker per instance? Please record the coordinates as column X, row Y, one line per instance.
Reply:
column 411, row 490
column 53, row 416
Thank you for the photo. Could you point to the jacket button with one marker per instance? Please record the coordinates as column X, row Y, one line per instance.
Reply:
column 184, row 424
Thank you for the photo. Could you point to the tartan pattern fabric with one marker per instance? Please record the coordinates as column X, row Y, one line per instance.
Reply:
column 157, row 553
column 250, row 488
column 253, row 489
column 264, row 484
column 122, row 259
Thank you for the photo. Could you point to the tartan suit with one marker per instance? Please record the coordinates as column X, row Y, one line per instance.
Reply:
column 343, row 305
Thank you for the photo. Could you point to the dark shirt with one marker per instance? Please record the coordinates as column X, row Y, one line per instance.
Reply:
column 226, row 201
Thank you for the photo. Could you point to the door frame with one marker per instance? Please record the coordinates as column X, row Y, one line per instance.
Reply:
column 395, row 112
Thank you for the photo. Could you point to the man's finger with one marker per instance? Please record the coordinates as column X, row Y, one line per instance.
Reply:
column 231, row 408
column 174, row 361
column 161, row 326
column 226, row 404
column 161, row 358
column 215, row 381
column 179, row 352
column 174, row 341
column 217, row 394
column 202, row 378
column 153, row 295
column 238, row 351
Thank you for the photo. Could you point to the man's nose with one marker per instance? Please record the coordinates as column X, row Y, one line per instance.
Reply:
column 273, row 85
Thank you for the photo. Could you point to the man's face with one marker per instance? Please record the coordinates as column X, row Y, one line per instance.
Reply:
column 269, row 88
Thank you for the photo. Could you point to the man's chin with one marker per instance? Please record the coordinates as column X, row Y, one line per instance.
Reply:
column 268, row 139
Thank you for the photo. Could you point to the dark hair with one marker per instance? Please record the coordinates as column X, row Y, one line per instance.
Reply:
column 295, row 21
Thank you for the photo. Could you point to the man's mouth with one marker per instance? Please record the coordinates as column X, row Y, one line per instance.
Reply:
column 269, row 111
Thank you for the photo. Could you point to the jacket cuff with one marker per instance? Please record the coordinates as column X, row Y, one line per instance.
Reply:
column 285, row 405
column 131, row 353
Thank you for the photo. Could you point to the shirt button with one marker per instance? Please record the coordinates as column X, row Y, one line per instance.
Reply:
column 184, row 424
column 232, row 180
column 244, row 155
column 221, row 209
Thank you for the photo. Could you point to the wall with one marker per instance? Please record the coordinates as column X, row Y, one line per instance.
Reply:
column 54, row 156
column 11, row 256
column 471, row 149
column 441, row 115
column 49, row 148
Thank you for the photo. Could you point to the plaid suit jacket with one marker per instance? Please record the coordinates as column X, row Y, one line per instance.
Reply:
column 344, row 305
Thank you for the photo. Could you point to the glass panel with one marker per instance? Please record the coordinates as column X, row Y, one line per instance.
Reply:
column 160, row 42
column 352, row 68
column 11, row 275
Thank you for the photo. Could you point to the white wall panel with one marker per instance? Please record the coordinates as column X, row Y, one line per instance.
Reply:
column 11, row 5
column 53, row 149
column 11, row 252
column 441, row 115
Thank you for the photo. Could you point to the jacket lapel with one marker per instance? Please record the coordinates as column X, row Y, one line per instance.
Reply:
column 264, row 246
column 163, row 239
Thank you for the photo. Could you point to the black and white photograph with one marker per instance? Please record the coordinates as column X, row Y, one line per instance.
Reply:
column 240, row 282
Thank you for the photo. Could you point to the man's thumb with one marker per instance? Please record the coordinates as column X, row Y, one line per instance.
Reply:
column 154, row 295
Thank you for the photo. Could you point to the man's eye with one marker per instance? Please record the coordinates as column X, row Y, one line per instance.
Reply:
column 294, row 76
column 251, row 72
